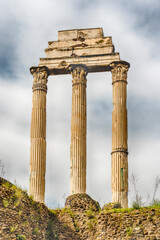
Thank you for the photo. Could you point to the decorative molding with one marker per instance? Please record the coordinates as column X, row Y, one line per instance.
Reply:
column 119, row 71
column 79, row 73
column 40, row 78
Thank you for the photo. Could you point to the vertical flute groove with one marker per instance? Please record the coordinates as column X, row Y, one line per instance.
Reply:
column 119, row 134
column 78, row 130
column 38, row 134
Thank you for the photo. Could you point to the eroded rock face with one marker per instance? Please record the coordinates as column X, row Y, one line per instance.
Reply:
column 23, row 218
column 81, row 202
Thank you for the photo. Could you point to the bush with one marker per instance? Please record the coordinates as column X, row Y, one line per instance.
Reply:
column 129, row 231
column 35, row 231
column 21, row 237
column 156, row 203
column 5, row 203
column 136, row 205
column 12, row 229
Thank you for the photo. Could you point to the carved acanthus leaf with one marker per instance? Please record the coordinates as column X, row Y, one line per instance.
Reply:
column 119, row 71
column 79, row 74
column 40, row 75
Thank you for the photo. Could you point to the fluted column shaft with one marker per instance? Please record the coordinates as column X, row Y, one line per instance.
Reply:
column 38, row 134
column 78, row 130
column 119, row 134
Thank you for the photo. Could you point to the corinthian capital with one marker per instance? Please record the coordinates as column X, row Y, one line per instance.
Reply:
column 79, row 73
column 40, row 76
column 119, row 71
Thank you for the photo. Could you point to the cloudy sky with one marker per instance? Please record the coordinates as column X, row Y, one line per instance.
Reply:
column 25, row 29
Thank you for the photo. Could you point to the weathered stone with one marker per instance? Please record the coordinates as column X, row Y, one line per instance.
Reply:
column 119, row 134
column 78, row 130
column 81, row 202
column 79, row 52
column 80, row 46
column 38, row 134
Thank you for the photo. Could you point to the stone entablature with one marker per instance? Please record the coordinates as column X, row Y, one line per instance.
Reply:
column 84, row 46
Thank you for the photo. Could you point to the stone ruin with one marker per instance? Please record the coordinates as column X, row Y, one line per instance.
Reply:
column 79, row 52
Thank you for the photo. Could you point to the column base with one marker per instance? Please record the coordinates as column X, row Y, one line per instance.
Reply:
column 120, row 197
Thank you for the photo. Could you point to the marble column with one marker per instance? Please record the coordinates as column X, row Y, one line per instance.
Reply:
column 119, row 134
column 38, row 134
column 78, row 130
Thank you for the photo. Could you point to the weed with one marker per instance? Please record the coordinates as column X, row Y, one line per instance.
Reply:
column 90, row 226
column 5, row 203
column 12, row 229
column 49, row 224
column 55, row 236
column 156, row 203
column 7, row 184
column 65, row 225
column 136, row 204
column 129, row 231
column 94, row 221
column 76, row 227
column 31, row 200
column 35, row 231
column 30, row 197
column 118, row 210
column 67, row 210
column 156, row 186
column 16, row 202
column 50, row 234
column 21, row 237
column 90, row 214
column 18, row 193
column 20, row 212
column 54, row 212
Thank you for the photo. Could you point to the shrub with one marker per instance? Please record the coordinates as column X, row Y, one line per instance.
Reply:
column 90, row 226
column 5, row 203
column 90, row 214
column 67, row 210
column 35, row 231
column 129, row 231
column 7, row 184
column 136, row 205
column 156, row 203
column 12, row 229
column 21, row 237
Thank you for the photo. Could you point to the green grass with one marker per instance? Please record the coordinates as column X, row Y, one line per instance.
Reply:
column 118, row 210
column 90, row 226
column 7, row 184
column 54, row 211
column 5, row 203
column 67, row 210
column 90, row 214
column 21, row 237
column 129, row 231
column 36, row 231
column 50, row 233
column 156, row 203
column 12, row 229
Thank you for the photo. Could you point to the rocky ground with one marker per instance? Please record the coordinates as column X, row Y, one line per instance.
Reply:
column 82, row 218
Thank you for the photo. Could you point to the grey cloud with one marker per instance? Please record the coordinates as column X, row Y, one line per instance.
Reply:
column 99, row 116
column 33, row 24
column 8, row 42
column 144, row 117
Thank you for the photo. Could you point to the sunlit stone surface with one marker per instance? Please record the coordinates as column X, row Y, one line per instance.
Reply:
column 79, row 52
